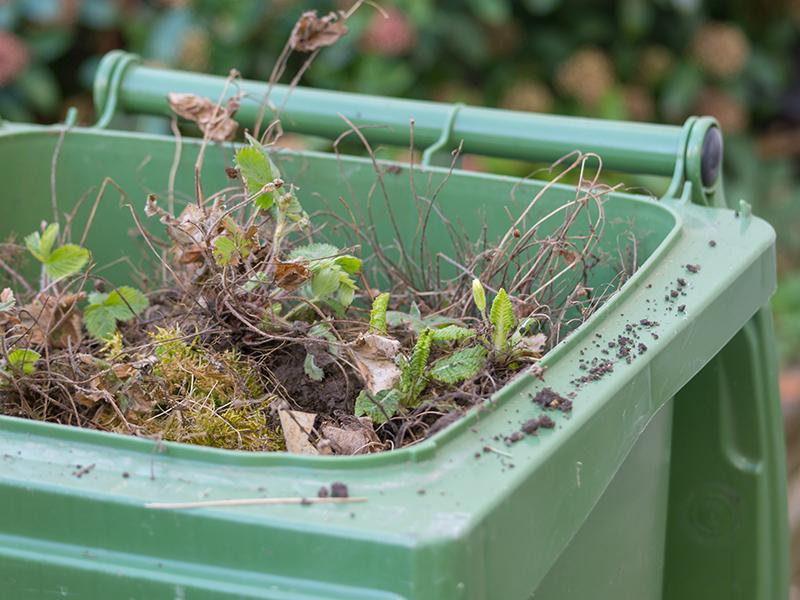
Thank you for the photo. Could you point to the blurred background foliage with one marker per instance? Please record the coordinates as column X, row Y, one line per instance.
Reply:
column 646, row 60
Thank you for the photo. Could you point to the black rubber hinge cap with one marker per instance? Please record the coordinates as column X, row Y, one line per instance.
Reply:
column 711, row 159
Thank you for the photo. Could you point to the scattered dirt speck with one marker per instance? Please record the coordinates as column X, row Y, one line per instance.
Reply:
column 339, row 490
column 547, row 398
column 81, row 471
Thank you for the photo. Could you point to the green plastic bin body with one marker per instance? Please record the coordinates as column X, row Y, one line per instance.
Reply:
column 666, row 480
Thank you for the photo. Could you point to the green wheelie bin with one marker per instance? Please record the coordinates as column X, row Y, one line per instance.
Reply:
column 666, row 481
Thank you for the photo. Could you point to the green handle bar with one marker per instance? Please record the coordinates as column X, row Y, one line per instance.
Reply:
column 691, row 152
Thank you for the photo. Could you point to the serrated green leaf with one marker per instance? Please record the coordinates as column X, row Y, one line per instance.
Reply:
column 41, row 245
column 377, row 316
column 380, row 408
column 346, row 292
column 325, row 282
column 501, row 317
column 314, row 252
column 291, row 207
column 395, row 318
column 349, row 263
column 255, row 281
column 412, row 370
column 23, row 360
column 125, row 303
column 223, row 251
column 325, row 331
column 459, row 366
column 414, row 312
column 97, row 297
column 451, row 333
column 66, row 260
column 255, row 169
column 313, row 372
column 100, row 323
column 479, row 295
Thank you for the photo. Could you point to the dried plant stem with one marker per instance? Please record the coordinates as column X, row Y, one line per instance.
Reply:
column 252, row 502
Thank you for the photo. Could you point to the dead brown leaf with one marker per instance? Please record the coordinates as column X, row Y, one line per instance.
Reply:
column 48, row 320
column 214, row 120
column 374, row 356
column 291, row 275
column 312, row 32
column 356, row 436
column 124, row 370
column 297, row 427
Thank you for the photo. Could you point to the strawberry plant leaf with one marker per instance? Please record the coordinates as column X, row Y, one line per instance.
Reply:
column 66, row 260
column 41, row 245
column 125, row 303
column 223, row 251
column 254, row 168
column 100, row 322
column 380, row 408
column 314, row 252
column 313, row 372
column 23, row 360
column 349, row 263
column 325, row 282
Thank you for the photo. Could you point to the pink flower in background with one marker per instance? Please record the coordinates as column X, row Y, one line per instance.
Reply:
column 14, row 57
column 389, row 35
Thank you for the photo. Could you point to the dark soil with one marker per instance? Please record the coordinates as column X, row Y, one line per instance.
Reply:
column 335, row 393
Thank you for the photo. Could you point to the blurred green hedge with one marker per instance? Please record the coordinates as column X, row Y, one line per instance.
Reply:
column 653, row 60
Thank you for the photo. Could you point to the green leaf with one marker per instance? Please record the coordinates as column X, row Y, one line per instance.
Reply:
column 255, row 281
column 223, row 251
column 313, row 252
column 255, row 169
column 100, row 322
column 125, row 303
column 325, row 282
column 420, row 354
column 311, row 369
column 324, row 330
column 65, row 261
column 413, row 312
column 24, row 360
column 502, row 319
column 380, row 408
column 451, row 333
column 479, row 295
column 412, row 370
column 346, row 292
column 97, row 297
column 459, row 366
column 291, row 207
column 42, row 245
column 349, row 263
column 377, row 316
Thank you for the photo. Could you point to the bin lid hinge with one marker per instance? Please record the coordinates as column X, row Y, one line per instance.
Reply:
column 698, row 165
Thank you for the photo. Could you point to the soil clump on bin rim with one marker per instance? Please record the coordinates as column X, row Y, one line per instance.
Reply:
column 260, row 334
